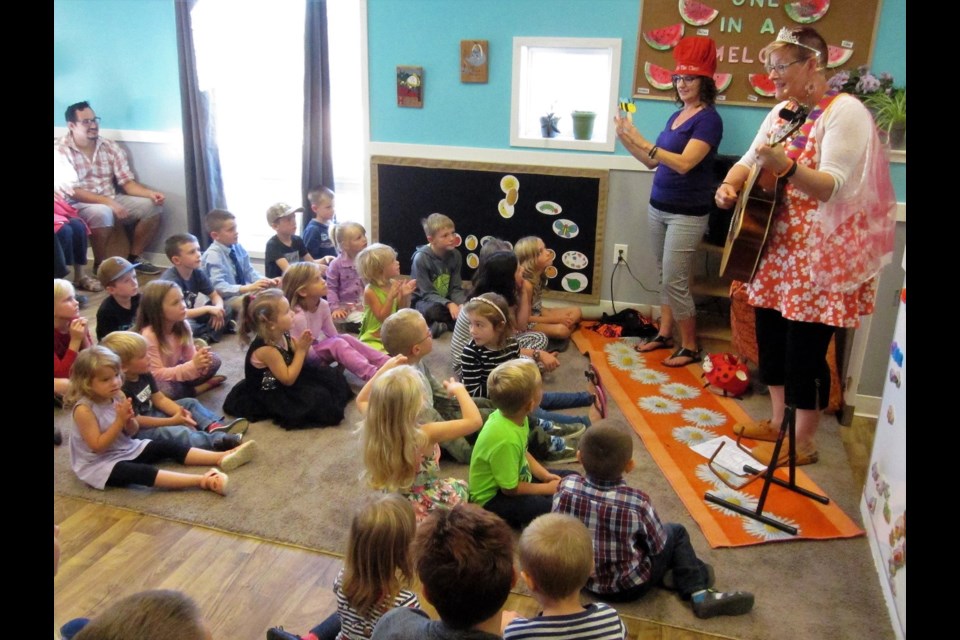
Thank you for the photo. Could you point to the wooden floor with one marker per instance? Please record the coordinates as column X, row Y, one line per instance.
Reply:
column 245, row 585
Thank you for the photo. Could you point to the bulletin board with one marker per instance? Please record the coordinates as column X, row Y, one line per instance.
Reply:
column 741, row 28
column 565, row 207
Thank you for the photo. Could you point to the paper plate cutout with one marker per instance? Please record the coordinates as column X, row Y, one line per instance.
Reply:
column 473, row 261
column 509, row 182
column 505, row 209
column 484, row 240
column 566, row 228
column 472, row 242
column 574, row 282
column 550, row 272
column 548, row 208
column 552, row 254
column 457, row 240
column 575, row 260
column 512, row 196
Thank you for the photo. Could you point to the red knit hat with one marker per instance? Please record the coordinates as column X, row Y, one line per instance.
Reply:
column 696, row 56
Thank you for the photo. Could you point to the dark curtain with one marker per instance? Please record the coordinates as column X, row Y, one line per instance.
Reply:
column 317, row 158
column 201, row 157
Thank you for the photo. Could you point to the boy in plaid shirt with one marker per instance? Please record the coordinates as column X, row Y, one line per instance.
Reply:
column 632, row 549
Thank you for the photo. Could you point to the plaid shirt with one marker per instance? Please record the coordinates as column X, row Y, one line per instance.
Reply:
column 625, row 528
column 109, row 163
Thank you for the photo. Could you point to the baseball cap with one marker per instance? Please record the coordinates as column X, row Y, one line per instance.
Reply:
column 281, row 210
column 113, row 268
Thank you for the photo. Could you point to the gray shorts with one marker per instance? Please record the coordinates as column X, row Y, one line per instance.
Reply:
column 98, row 216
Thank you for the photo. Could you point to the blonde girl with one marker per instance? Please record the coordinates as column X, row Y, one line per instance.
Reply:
column 70, row 333
column 376, row 570
column 102, row 449
column 385, row 291
column 180, row 368
column 344, row 285
column 556, row 322
column 276, row 385
column 402, row 456
column 304, row 289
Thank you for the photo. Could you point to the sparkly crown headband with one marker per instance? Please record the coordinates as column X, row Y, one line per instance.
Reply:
column 787, row 35
column 495, row 306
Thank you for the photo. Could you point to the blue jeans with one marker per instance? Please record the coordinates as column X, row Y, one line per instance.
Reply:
column 182, row 434
column 689, row 572
column 563, row 400
column 674, row 239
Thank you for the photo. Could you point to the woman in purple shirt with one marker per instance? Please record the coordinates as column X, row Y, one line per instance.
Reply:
column 683, row 188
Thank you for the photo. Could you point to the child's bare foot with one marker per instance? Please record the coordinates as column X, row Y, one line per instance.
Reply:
column 212, row 383
column 216, row 481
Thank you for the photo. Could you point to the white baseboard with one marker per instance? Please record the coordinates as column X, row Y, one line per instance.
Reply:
column 605, row 306
column 867, row 406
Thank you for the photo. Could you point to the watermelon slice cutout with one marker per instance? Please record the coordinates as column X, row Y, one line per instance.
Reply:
column 722, row 80
column 806, row 11
column 664, row 38
column 762, row 85
column 697, row 13
column 657, row 76
column 837, row 56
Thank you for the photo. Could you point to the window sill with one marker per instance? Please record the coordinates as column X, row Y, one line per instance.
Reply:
column 567, row 143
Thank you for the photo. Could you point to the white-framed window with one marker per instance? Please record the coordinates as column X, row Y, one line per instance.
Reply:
column 559, row 76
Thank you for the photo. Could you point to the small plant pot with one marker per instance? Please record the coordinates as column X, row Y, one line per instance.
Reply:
column 583, row 124
column 548, row 129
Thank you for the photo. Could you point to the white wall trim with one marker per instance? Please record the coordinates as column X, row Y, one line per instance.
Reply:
column 508, row 156
column 867, row 406
column 132, row 135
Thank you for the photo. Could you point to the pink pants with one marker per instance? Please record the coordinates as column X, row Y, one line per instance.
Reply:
column 356, row 357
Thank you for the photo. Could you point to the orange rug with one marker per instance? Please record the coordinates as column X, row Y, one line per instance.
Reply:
column 670, row 411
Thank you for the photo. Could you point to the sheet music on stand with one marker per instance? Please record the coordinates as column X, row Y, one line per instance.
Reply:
column 730, row 457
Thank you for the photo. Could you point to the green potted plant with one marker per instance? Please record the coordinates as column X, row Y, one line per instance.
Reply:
column 548, row 125
column 890, row 114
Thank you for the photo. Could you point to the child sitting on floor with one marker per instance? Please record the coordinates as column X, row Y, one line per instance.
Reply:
column 556, row 560
column 436, row 268
column 317, row 234
column 118, row 312
column 286, row 248
column 304, row 288
column 385, row 292
column 376, row 569
column 102, row 449
column 276, row 385
column 208, row 322
column 557, row 322
column 633, row 551
column 185, row 421
column 401, row 455
column 70, row 333
column 344, row 286
column 504, row 477
column 181, row 369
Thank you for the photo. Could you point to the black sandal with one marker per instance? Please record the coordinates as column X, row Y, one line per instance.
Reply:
column 662, row 342
column 683, row 352
column 600, row 398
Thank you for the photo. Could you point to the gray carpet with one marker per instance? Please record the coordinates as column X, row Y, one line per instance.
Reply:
column 304, row 485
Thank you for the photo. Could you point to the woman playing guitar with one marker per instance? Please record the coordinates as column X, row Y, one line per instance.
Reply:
column 831, row 233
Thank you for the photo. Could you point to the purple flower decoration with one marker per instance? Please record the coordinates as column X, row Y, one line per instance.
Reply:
column 837, row 81
column 868, row 84
column 886, row 77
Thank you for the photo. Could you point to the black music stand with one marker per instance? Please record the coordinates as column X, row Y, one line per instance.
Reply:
column 787, row 428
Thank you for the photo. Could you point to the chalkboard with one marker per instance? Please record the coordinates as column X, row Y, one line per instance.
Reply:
column 565, row 207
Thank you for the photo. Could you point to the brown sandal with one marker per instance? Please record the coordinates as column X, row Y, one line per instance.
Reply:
column 659, row 342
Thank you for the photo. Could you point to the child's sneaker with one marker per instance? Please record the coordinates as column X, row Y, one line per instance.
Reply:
column 563, row 430
column 239, row 456
column 437, row 329
column 278, row 633
column 708, row 603
column 568, row 454
column 228, row 442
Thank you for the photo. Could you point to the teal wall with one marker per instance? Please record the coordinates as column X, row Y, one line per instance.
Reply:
column 427, row 33
column 121, row 56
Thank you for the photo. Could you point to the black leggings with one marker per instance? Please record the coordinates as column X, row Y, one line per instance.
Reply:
column 140, row 470
column 794, row 355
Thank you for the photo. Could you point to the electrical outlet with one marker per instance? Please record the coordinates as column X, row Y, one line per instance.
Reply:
column 620, row 251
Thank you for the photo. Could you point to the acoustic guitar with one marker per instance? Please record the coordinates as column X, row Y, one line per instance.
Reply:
column 750, row 224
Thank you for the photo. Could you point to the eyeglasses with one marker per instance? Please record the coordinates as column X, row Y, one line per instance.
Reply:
column 779, row 68
column 685, row 79
column 89, row 121
column 424, row 339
